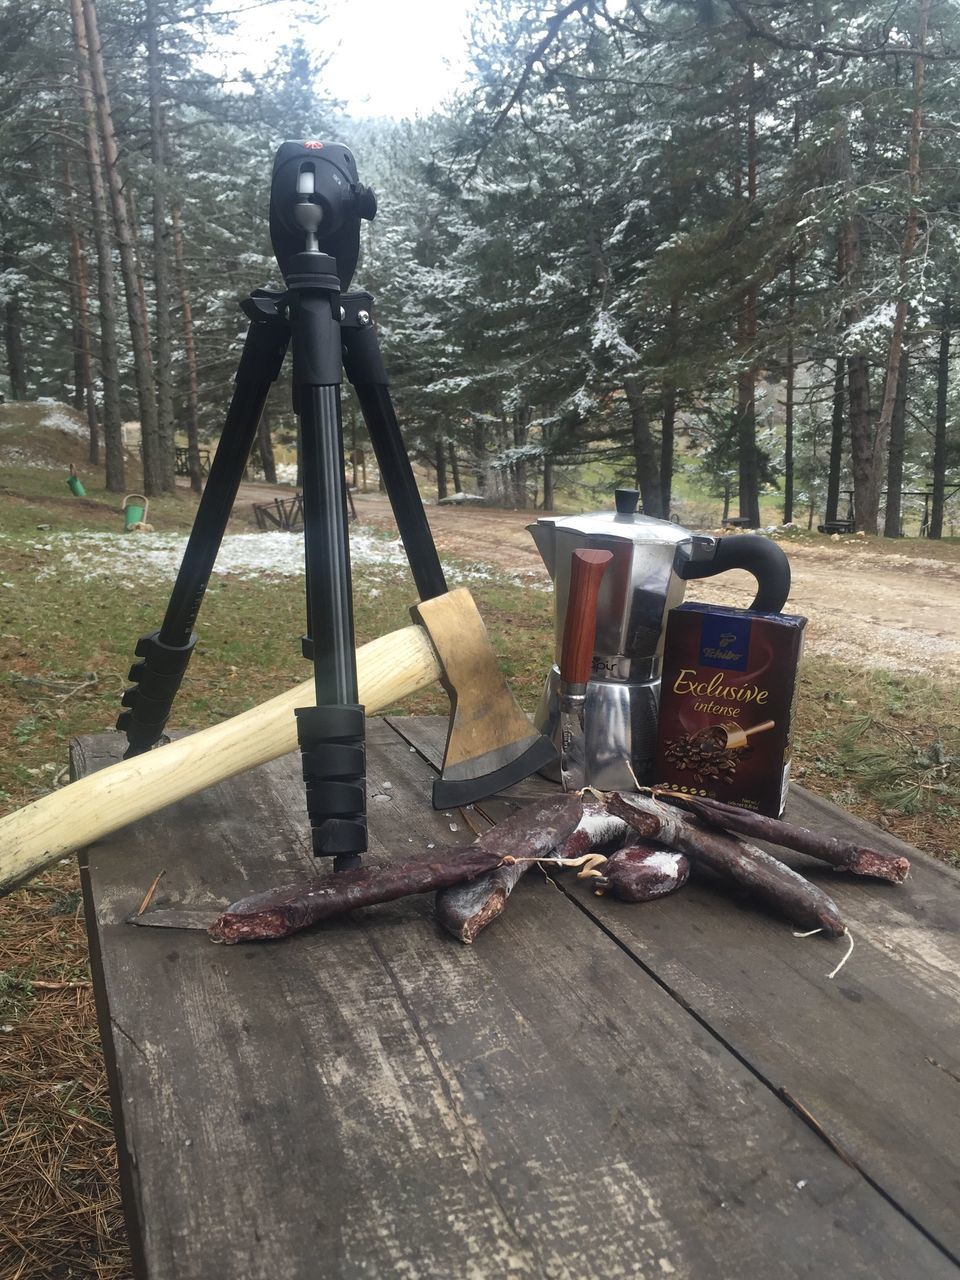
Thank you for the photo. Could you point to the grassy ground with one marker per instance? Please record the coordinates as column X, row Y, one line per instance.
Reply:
column 882, row 746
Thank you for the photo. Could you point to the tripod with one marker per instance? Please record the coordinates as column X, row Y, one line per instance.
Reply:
column 316, row 205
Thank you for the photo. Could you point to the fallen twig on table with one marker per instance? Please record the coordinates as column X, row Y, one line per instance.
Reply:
column 148, row 896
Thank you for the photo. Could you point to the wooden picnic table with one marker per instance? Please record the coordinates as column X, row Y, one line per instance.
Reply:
column 672, row 1090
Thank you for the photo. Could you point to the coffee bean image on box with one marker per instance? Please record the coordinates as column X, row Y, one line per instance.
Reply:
column 704, row 754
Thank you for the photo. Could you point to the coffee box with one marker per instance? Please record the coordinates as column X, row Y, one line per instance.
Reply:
column 726, row 704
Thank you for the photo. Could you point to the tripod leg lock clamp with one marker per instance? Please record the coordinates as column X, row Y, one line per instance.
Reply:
column 334, row 769
column 156, row 679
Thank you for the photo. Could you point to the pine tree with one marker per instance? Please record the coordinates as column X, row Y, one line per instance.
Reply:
column 154, row 472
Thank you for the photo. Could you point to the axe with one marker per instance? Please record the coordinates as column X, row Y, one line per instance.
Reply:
column 388, row 669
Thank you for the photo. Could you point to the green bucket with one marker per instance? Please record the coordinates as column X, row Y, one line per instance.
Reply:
column 75, row 487
column 134, row 510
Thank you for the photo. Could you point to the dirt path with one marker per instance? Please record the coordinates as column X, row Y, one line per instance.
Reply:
column 869, row 609
column 895, row 610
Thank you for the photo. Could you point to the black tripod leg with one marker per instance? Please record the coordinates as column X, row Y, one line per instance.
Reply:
column 164, row 654
column 365, row 369
column 331, row 734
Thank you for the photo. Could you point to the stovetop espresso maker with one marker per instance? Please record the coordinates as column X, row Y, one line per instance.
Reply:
column 652, row 562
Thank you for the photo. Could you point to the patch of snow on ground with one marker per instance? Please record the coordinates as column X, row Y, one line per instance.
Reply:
column 11, row 456
column 139, row 556
column 56, row 416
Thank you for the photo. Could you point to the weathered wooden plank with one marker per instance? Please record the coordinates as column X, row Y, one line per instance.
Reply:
column 875, row 1054
column 372, row 1099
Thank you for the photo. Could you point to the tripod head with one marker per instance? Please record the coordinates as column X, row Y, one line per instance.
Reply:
column 316, row 204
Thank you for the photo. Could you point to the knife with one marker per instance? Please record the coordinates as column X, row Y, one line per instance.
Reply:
column 576, row 656
column 177, row 917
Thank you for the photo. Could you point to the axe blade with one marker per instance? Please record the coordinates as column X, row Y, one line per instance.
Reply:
column 491, row 743
column 486, row 774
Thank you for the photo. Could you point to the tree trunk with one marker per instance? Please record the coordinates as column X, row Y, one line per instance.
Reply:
column 749, row 462
column 93, row 422
column 866, row 494
column 440, row 461
column 789, row 393
column 454, row 467
column 78, row 275
column 139, row 331
column 161, row 253
column 78, row 387
column 885, row 420
column 940, row 428
column 265, row 448
column 836, row 444
column 549, row 499
column 479, row 456
column 521, row 435
column 13, row 331
column 192, row 397
column 893, row 516
column 727, row 488
column 866, row 498
column 106, row 280
column 79, row 301
column 788, row 467
column 668, row 420
column 549, row 496
column 133, row 213
column 668, row 411
column 645, row 464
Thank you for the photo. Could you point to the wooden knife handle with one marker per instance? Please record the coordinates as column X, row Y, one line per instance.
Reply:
column 580, row 628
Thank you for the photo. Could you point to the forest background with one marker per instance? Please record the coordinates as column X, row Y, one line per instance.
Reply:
column 718, row 237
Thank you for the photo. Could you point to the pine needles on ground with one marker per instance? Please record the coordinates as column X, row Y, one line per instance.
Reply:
column 905, row 774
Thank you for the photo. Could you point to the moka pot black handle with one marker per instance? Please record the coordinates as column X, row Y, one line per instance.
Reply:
column 759, row 556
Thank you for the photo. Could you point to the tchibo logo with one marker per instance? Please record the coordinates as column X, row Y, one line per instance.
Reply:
column 725, row 642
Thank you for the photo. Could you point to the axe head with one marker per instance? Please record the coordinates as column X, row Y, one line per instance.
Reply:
column 491, row 743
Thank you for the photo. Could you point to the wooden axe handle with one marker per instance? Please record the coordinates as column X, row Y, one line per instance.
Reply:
column 389, row 668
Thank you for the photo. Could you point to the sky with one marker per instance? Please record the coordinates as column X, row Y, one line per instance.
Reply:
column 393, row 58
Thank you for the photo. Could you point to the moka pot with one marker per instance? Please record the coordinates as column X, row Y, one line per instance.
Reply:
column 652, row 562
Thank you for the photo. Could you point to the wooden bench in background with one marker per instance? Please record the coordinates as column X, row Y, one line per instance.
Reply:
column 182, row 464
column 672, row 1090
column 286, row 514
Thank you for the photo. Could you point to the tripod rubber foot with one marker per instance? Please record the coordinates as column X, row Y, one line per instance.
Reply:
column 156, row 679
column 334, row 769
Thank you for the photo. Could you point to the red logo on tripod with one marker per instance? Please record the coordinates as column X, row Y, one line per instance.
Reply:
column 314, row 146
